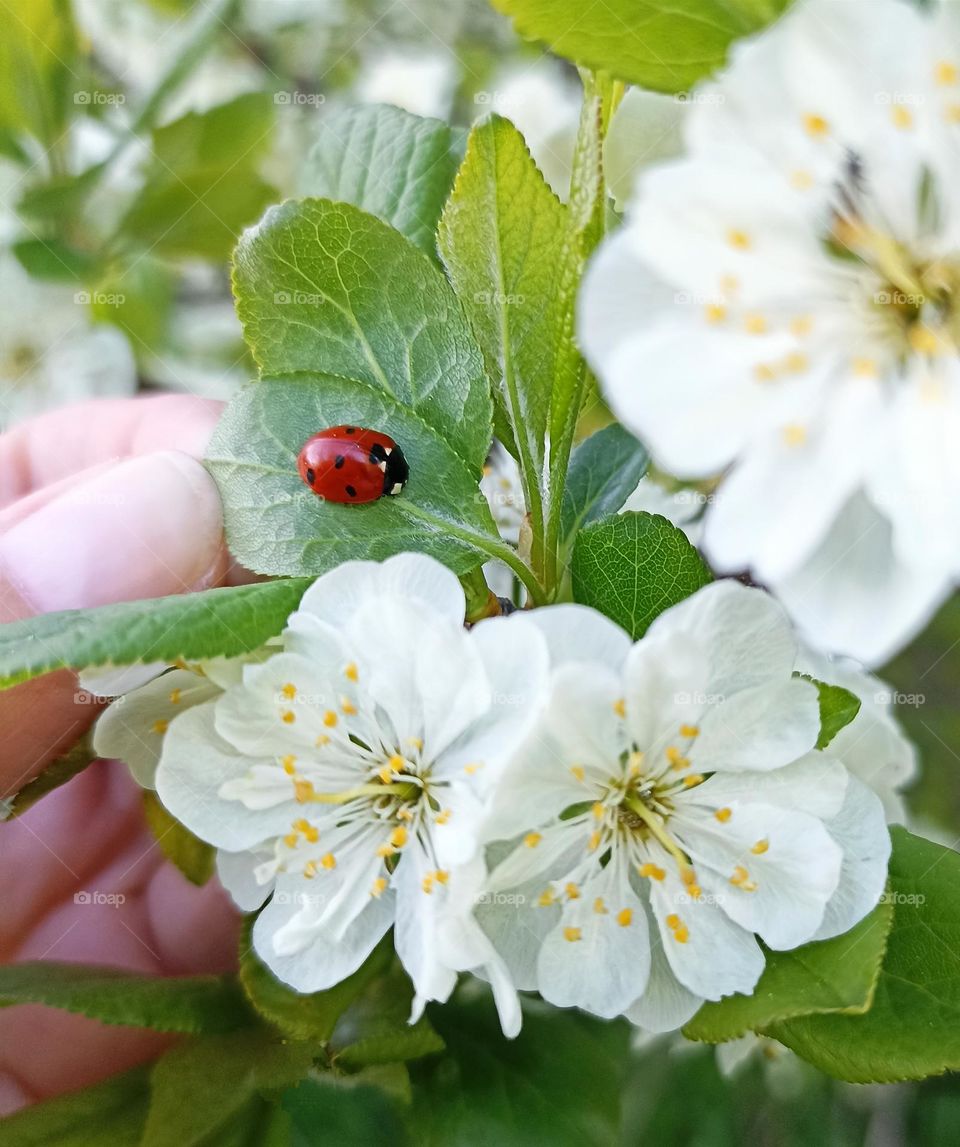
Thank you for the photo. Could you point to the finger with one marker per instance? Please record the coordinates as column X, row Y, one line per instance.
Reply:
column 72, row 438
column 147, row 527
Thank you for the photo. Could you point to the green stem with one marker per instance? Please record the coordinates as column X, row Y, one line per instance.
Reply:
column 481, row 600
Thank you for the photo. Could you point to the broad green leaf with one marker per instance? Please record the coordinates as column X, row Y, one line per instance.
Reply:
column 666, row 45
column 913, row 1028
column 510, row 251
column 192, row 626
column 52, row 259
column 276, row 524
column 57, row 773
column 604, row 471
column 558, row 1082
column 838, row 707
column 172, row 1004
column 229, row 136
column 37, row 49
column 111, row 1114
column 349, row 1116
column 137, row 297
column 392, row 164
column 304, row 1016
column 837, row 975
column 201, row 1087
column 634, row 566
column 193, row 857
column 323, row 286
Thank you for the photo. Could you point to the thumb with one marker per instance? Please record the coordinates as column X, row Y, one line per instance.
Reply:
column 146, row 527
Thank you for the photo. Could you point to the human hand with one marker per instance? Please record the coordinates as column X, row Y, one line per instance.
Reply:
column 100, row 502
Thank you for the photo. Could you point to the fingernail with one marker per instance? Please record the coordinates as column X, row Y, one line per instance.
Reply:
column 147, row 527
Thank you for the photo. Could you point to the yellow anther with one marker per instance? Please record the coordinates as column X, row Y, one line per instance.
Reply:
column 599, row 809
column 398, row 838
column 815, row 125
column 690, row 731
column 681, row 934
column 715, row 312
column 673, row 921
column 379, row 886
column 739, row 239
column 470, row 770
column 599, row 907
column 405, row 814
column 653, row 871
column 755, row 324
column 416, row 742
column 688, row 876
column 723, row 814
column 175, row 696
column 427, row 883
column 160, row 726
column 385, row 773
column 397, row 763
column 729, row 284
column 289, row 691
column 951, row 113
column 444, row 816
column 301, row 825
column 441, row 876
column 572, row 935
column 620, row 707
column 291, row 840
column 694, row 891
column 946, row 74
column 350, row 672
column 578, row 772
column 311, row 833
column 801, row 326
column 625, row 917
column 801, row 179
column 594, row 842
column 310, row 869
column 287, row 716
column 692, row 779
column 923, row 339
column 532, row 839
column 635, row 763
column 865, row 367
column 760, row 847
column 794, row 434
column 329, row 861
column 902, row 117
column 796, row 362
column 289, row 763
column 303, row 791
column 322, row 740
column 330, row 718
column 572, row 891
column 741, row 879
column 347, row 707
column 385, row 850
column 546, row 898
column 765, row 372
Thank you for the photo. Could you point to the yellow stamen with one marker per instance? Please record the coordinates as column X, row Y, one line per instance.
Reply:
column 594, row 842
column 416, row 742
column 175, row 696
column 681, row 934
column 572, row 891
column 815, row 125
column 289, row 691
column 690, row 731
column 865, row 368
column 599, row 907
column 801, row 180
column 620, row 707
column 723, row 814
column 653, row 871
column 289, row 763
column 923, row 339
column 765, row 372
column 755, row 324
column 902, row 117
column 330, row 718
column 796, row 363
column 385, row 774
column 741, row 879
column 322, row 740
column 350, row 672
column 398, row 838
column 578, row 772
column 532, row 839
column 692, row 779
column 427, row 884
column 739, row 239
column 572, row 934
column 546, row 898
column 946, row 74
column 599, row 809
column 444, row 816
column 441, row 876
column 673, row 921
column 470, row 770
column 715, row 313
column 801, row 326
column 291, row 840
column 310, row 869
column 794, row 434
column 303, row 791
column 160, row 726
column 385, row 850
column 635, row 763
column 347, row 707
column 625, row 917
column 760, row 847
column 287, row 716
column 951, row 113
column 329, row 861
column 379, row 886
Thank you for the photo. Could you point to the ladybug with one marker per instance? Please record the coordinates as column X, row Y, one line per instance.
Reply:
column 349, row 464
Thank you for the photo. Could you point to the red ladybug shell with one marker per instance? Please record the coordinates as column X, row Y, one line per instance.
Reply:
column 351, row 465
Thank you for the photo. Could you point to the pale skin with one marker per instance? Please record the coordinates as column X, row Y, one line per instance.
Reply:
column 99, row 502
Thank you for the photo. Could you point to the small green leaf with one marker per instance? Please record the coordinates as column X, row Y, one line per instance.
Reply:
column 192, row 626
column 838, row 707
column 634, row 566
column 173, row 1004
column 201, row 1087
column 276, row 524
column 193, row 857
column 837, row 975
column 604, row 471
column 913, row 1028
column 57, row 773
column 414, row 159
column 301, row 1016
column 52, row 259
column 349, row 1115
column 509, row 248
column 559, row 1082
column 230, row 136
column 323, row 286
column 666, row 45
column 110, row 1114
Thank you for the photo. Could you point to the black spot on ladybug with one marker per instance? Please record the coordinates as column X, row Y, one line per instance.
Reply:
column 377, row 454
column 351, row 491
column 311, row 476
column 350, row 429
column 338, row 462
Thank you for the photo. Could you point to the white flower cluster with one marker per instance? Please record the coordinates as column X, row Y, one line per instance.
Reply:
column 782, row 308
column 538, row 799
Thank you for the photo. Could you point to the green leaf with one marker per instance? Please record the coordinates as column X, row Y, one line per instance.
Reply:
column 558, row 1082
column 201, row 1087
column 52, row 259
column 57, row 773
column 837, row 975
column 389, row 163
column 193, row 857
column 111, row 1114
column 230, row 136
column 634, row 566
column 838, row 707
column 913, row 1028
column 323, row 286
column 604, row 471
column 350, row 1116
column 301, row 1016
column 666, row 45
column 192, row 626
column 173, row 1004
column 37, row 49
column 276, row 524
column 511, row 253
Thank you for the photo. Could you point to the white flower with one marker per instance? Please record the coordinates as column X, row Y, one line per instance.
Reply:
column 420, row 82
column 51, row 352
column 667, row 807
column 348, row 774
column 501, row 485
column 784, row 301
column 682, row 507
